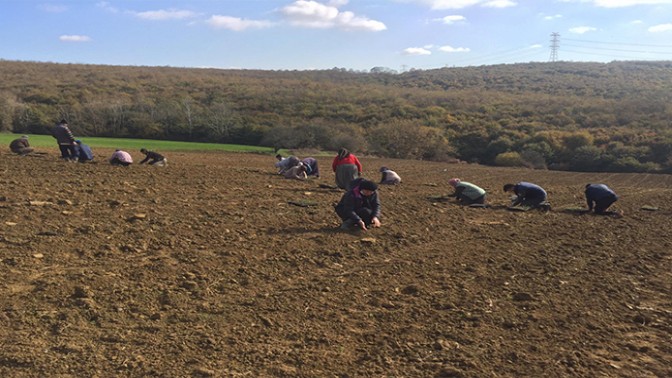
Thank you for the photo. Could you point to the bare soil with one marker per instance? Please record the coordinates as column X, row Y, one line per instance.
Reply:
column 208, row 268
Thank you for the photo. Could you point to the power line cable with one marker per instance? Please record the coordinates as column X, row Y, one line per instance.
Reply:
column 497, row 56
column 616, row 43
column 606, row 55
column 621, row 50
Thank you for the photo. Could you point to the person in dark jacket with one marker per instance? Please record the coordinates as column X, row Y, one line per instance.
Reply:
column 66, row 141
column 600, row 197
column 21, row 146
column 84, row 152
column 347, row 168
column 360, row 206
column 153, row 158
column 312, row 168
column 528, row 195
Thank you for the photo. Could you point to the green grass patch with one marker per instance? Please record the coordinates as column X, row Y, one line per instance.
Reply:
column 137, row 144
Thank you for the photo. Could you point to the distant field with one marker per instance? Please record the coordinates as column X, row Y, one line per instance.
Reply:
column 136, row 144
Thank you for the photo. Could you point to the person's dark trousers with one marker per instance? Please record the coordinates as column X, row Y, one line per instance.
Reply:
column 468, row 201
column 364, row 213
column 603, row 204
column 116, row 161
column 68, row 151
column 533, row 202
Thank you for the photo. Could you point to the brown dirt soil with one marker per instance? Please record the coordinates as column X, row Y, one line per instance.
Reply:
column 205, row 269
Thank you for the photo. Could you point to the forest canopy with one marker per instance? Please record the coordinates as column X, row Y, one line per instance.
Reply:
column 560, row 115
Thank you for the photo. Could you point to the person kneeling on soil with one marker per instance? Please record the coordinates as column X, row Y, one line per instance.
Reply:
column 360, row 205
column 389, row 177
column 84, row 152
column 297, row 172
column 21, row 146
column 120, row 157
column 600, row 197
column 466, row 192
column 312, row 169
column 285, row 163
column 153, row 158
column 528, row 196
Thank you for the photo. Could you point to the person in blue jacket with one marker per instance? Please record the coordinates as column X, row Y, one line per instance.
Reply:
column 84, row 152
column 599, row 197
column 528, row 195
column 360, row 205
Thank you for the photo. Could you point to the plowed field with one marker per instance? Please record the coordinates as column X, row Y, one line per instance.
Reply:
column 208, row 268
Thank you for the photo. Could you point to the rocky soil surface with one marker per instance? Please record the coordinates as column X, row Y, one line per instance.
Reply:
column 217, row 267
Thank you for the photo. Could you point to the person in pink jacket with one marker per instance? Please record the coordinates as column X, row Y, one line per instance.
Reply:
column 120, row 157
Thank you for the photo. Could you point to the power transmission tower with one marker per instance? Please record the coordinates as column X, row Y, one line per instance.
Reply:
column 555, row 44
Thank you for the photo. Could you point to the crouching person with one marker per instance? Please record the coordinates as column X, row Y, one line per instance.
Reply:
column 21, row 146
column 312, row 169
column 84, row 151
column 297, row 172
column 122, row 158
column 285, row 163
column 599, row 197
column 360, row 206
column 154, row 158
column 467, row 193
column 389, row 177
column 528, row 195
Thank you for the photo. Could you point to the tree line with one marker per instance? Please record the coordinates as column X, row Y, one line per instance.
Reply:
column 560, row 115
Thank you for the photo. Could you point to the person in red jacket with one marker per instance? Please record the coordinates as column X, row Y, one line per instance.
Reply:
column 347, row 168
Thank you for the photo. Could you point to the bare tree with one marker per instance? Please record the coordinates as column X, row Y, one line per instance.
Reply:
column 187, row 108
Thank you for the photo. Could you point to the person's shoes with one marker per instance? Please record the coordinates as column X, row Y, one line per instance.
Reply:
column 347, row 225
column 545, row 207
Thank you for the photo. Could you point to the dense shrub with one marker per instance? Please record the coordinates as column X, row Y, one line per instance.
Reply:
column 509, row 159
column 583, row 116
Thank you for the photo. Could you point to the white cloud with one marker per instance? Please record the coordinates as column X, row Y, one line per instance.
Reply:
column 582, row 29
column 618, row 3
column 165, row 14
column 450, row 49
column 312, row 14
column 74, row 38
column 536, row 46
column 417, row 51
column 452, row 19
column 628, row 3
column 499, row 4
column 553, row 17
column 460, row 4
column 448, row 4
column 52, row 8
column 661, row 28
column 237, row 24
column 636, row 22
column 107, row 7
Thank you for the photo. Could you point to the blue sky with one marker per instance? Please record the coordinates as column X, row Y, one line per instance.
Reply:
column 323, row 34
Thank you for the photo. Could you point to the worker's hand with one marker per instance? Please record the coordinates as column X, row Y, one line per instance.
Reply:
column 375, row 222
column 362, row 225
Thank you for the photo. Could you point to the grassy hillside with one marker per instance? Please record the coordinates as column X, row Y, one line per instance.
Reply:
column 578, row 116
